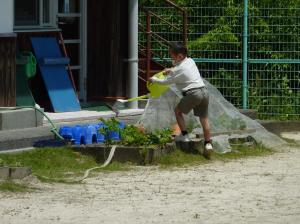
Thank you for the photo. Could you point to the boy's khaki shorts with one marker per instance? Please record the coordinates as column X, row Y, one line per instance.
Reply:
column 197, row 100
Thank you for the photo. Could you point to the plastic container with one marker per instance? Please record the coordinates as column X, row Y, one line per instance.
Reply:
column 122, row 125
column 88, row 134
column 26, row 63
column 66, row 132
column 114, row 135
column 78, row 134
column 100, row 137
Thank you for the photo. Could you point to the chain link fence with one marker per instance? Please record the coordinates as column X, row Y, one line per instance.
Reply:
column 216, row 44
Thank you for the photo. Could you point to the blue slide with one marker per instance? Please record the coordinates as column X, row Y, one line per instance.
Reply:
column 53, row 70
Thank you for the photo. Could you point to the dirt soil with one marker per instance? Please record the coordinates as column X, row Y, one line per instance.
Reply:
column 253, row 190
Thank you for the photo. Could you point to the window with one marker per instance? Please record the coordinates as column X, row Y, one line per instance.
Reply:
column 34, row 13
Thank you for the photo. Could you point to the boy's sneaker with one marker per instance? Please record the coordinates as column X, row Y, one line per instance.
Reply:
column 182, row 138
column 208, row 149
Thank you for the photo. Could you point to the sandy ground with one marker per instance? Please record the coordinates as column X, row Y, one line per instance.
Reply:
column 253, row 190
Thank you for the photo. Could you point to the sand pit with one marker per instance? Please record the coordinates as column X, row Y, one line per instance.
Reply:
column 253, row 190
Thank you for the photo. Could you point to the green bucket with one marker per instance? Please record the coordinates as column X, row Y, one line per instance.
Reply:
column 26, row 64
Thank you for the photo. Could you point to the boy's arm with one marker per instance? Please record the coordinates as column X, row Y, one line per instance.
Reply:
column 172, row 78
column 167, row 71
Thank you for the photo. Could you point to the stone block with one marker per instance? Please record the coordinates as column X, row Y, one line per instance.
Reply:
column 19, row 172
column 19, row 119
column 4, row 173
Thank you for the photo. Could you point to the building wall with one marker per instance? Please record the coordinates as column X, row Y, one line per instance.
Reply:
column 8, row 54
column 107, row 35
column 6, row 16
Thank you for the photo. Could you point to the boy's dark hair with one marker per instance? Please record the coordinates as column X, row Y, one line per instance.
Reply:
column 178, row 48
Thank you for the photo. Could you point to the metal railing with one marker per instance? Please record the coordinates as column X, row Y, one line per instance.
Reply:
column 154, row 43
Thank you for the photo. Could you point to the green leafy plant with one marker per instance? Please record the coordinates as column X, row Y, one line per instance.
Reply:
column 160, row 137
column 133, row 136
column 109, row 125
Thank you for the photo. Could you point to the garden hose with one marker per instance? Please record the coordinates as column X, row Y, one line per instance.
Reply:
column 53, row 129
column 108, row 160
column 55, row 132
column 86, row 173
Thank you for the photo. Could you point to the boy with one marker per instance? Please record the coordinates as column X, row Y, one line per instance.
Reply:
column 188, row 80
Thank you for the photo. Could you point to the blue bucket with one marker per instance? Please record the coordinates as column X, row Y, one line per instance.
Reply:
column 66, row 132
column 88, row 134
column 78, row 135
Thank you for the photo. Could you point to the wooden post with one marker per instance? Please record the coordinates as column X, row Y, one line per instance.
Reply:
column 7, row 69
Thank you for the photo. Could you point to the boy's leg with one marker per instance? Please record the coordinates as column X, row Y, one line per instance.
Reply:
column 207, row 142
column 206, row 129
column 180, row 119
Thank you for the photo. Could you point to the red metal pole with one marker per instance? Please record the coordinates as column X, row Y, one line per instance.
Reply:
column 148, row 45
column 185, row 28
column 66, row 55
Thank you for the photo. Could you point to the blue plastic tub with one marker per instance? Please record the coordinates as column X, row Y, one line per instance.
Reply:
column 66, row 132
column 88, row 134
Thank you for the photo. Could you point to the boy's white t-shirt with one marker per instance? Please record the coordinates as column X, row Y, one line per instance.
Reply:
column 185, row 75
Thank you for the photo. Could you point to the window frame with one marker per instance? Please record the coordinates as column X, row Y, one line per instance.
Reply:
column 53, row 9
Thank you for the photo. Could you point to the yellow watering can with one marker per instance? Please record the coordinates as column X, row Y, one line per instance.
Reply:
column 155, row 90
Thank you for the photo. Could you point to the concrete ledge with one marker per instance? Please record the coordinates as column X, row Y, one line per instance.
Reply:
column 123, row 154
column 26, row 138
column 84, row 115
column 130, row 112
column 22, row 138
column 18, row 119
column 4, row 173
column 281, row 126
column 19, row 172
column 78, row 116
column 14, row 172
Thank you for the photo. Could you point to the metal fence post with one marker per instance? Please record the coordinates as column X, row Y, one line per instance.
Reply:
column 245, row 56
column 133, row 57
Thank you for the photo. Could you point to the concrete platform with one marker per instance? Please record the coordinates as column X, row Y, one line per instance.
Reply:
column 277, row 127
column 23, row 138
column 26, row 138
column 21, row 118
column 14, row 172
column 137, row 155
column 78, row 116
column 85, row 115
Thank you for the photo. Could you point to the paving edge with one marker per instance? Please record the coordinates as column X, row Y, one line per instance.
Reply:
column 125, row 154
column 14, row 172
